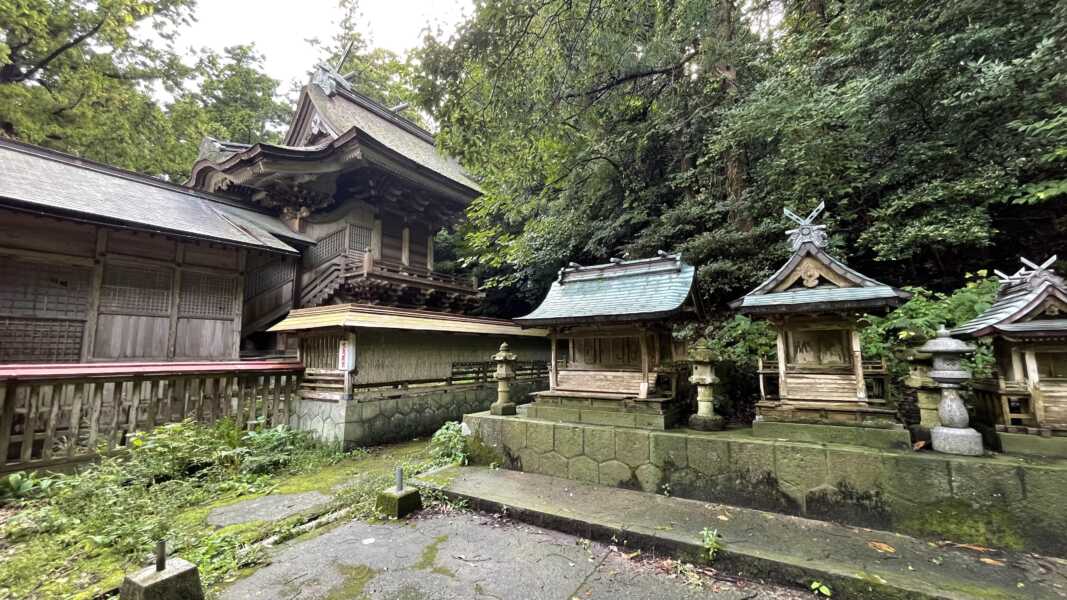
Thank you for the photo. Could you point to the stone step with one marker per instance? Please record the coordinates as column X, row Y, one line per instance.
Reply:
column 855, row 562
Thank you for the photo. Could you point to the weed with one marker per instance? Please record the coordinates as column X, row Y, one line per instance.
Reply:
column 449, row 445
column 711, row 542
column 23, row 486
column 820, row 588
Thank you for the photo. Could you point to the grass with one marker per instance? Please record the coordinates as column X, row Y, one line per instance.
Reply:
column 81, row 540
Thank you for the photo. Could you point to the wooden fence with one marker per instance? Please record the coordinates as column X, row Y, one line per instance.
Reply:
column 51, row 415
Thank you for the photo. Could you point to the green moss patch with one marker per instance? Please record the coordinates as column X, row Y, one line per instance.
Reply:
column 958, row 521
column 356, row 578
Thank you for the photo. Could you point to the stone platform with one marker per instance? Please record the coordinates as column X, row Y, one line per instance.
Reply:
column 997, row 501
column 870, row 437
column 1033, row 445
column 853, row 562
column 619, row 410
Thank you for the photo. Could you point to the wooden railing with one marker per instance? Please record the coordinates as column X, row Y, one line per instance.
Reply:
column 482, row 371
column 51, row 415
column 364, row 264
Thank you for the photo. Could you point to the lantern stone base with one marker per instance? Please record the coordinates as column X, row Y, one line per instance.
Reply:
column 398, row 504
column 949, row 440
column 707, row 422
column 179, row 581
column 502, row 409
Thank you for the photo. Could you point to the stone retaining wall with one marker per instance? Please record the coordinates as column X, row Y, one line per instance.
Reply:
column 999, row 501
column 397, row 415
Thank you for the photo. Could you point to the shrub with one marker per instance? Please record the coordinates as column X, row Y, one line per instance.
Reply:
column 449, row 445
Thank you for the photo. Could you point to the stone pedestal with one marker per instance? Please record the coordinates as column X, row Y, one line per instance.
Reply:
column 705, row 419
column 397, row 504
column 180, row 580
column 505, row 373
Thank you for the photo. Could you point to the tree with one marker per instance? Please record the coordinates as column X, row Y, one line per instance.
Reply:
column 73, row 76
column 934, row 132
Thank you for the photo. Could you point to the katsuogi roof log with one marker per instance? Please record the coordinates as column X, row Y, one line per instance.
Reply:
column 813, row 281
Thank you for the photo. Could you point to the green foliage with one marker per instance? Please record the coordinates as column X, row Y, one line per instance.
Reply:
column 711, row 543
column 918, row 319
column 122, row 505
column 449, row 445
column 741, row 340
column 819, row 588
column 605, row 127
column 21, row 486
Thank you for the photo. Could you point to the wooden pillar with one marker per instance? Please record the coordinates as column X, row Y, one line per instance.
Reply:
column 1033, row 383
column 429, row 252
column 762, row 388
column 175, row 301
column 242, row 260
column 405, row 246
column 783, row 393
column 857, row 366
column 644, row 365
column 1018, row 366
column 376, row 239
column 93, row 312
column 552, row 365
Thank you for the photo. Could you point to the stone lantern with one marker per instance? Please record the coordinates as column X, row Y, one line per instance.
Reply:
column 703, row 358
column 953, row 436
column 505, row 372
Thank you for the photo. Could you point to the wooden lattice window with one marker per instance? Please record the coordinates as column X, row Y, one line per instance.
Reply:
column 269, row 276
column 30, row 289
column 40, row 340
column 207, row 296
column 141, row 290
column 326, row 248
column 359, row 237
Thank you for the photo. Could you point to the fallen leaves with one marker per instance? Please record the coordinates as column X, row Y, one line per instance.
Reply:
column 882, row 547
column 991, row 561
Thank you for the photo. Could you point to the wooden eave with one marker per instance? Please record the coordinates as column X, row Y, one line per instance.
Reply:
column 359, row 316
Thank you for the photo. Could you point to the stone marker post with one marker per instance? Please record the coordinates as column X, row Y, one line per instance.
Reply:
column 953, row 436
column 175, row 579
column 505, row 373
column 702, row 357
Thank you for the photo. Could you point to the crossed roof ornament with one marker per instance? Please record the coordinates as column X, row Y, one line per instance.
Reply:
column 1030, row 271
column 805, row 231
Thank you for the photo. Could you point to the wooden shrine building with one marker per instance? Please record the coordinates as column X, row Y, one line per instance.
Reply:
column 613, row 358
column 1028, row 325
column 101, row 264
column 814, row 301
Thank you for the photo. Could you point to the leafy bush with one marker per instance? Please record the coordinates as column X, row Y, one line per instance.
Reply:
column 449, row 445
column 22, row 486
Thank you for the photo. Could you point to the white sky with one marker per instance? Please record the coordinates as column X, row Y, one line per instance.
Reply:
column 279, row 27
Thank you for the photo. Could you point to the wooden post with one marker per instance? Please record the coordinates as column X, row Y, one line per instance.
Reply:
column 1018, row 367
column 405, row 246
column 93, row 311
column 643, row 339
column 175, row 301
column 29, row 424
column 552, row 366
column 97, row 399
column 79, row 392
column 116, row 414
column 762, row 387
column 783, row 359
column 1033, row 383
column 7, row 419
column 857, row 366
column 55, row 404
column 429, row 252
column 242, row 261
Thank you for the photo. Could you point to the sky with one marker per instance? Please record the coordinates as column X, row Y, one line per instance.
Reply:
column 279, row 28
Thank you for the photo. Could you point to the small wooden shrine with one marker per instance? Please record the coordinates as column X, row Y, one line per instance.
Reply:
column 814, row 302
column 613, row 357
column 1028, row 324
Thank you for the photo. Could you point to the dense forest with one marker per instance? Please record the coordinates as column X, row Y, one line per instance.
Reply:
column 936, row 132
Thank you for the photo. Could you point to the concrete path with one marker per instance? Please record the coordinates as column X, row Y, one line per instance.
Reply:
column 274, row 507
column 856, row 562
column 460, row 554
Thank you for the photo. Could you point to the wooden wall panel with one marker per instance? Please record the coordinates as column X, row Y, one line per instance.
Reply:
column 131, row 337
column 392, row 238
column 141, row 245
column 824, row 387
column 204, row 338
column 27, row 232
column 210, row 255
column 417, row 243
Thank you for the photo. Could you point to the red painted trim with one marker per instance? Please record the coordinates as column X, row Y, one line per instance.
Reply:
column 110, row 370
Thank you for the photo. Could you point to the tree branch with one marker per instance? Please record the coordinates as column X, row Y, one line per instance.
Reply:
column 60, row 50
column 622, row 79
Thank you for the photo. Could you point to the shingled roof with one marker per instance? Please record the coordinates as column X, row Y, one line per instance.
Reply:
column 812, row 280
column 44, row 180
column 1028, row 304
column 624, row 290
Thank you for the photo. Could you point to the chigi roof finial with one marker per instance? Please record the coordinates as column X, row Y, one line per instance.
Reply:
column 806, row 232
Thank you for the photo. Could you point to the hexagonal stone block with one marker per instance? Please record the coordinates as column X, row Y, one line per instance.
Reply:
column 668, row 450
column 514, row 436
column 568, row 440
column 529, row 461
column 540, row 436
column 599, row 443
column 615, row 474
column 710, row 456
column 801, row 466
column 388, row 407
column 753, row 458
column 860, row 470
column 583, row 468
column 650, row 477
column 631, row 446
column 553, row 464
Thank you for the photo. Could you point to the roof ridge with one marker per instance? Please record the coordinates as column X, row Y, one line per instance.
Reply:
column 95, row 166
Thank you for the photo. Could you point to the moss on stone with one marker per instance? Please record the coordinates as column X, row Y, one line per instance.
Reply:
column 960, row 522
column 429, row 554
column 356, row 578
column 480, row 453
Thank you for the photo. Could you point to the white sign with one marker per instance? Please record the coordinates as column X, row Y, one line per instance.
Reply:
column 346, row 355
